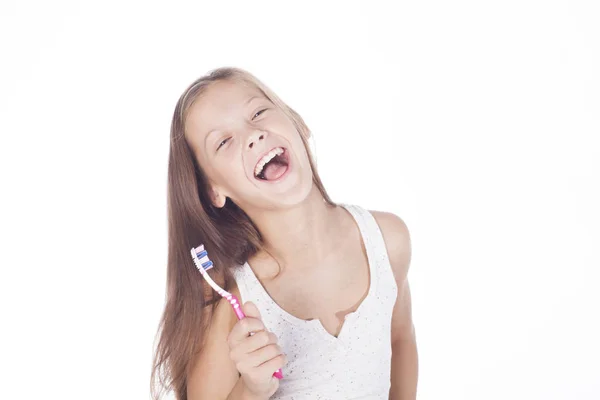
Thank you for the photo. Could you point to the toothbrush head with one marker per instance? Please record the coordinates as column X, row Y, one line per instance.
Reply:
column 201, row 256
column 203, row 264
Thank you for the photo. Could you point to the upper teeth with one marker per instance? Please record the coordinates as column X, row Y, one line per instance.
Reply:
column 265, row 159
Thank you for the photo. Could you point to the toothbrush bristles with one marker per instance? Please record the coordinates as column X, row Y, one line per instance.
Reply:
column 202, row 257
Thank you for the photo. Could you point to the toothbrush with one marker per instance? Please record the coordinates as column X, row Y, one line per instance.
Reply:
column 203, row 263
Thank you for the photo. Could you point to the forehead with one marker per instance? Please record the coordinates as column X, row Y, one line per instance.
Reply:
column 220, row 102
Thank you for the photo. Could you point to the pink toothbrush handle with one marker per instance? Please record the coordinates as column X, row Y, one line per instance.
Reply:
column 235, row 303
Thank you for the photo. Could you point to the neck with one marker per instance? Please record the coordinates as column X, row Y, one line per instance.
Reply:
column 300, row 235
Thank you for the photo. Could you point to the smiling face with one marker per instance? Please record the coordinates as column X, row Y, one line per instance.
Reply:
column 249, row 149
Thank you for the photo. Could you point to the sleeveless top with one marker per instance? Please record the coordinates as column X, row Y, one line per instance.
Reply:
column 354, row 365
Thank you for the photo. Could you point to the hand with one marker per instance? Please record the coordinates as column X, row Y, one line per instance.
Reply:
column 256, row 357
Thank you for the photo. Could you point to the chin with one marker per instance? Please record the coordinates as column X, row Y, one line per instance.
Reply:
column 296, row 196
column 288, row 196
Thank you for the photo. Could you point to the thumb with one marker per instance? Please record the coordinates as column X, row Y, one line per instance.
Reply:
column 250, row 309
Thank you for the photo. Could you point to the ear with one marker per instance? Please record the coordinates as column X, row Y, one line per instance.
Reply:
column 217, row 198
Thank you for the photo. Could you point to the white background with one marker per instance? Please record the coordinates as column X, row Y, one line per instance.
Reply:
column 476, row 122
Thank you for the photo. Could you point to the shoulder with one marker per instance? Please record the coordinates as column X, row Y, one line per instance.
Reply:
column 397, row 241
column 220, row 315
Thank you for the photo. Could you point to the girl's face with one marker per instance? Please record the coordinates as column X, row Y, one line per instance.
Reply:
column 249, row 149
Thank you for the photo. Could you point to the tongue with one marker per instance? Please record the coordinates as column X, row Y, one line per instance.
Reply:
column 274, row 170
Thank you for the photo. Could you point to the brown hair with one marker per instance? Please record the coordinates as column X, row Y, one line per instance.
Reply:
column 228, row 234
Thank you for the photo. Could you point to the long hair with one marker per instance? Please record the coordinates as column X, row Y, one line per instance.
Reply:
column 228, row 232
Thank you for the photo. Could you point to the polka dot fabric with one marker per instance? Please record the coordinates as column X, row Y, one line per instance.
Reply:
column 355, row 364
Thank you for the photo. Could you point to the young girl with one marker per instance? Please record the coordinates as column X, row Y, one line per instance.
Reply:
column 324, row 286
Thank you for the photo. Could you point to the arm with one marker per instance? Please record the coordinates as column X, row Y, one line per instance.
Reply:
column 404, row 373
column 213, row 374
column 405, row 361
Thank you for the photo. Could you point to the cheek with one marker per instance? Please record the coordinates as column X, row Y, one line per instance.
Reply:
column 287, row 128
column 299, row 145
column 280, row 123
column 229, row 171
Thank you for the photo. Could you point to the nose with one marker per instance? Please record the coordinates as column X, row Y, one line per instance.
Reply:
column 254, row 138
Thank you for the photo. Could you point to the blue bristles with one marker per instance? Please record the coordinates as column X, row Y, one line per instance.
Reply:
column 206, row 265
column 202, row 254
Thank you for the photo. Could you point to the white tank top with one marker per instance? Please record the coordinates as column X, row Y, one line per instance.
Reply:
column 354, row 365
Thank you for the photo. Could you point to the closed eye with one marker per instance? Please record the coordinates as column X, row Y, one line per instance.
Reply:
column 223, row 142
column 258, row 113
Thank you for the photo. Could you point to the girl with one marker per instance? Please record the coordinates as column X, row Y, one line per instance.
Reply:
column 324, row 285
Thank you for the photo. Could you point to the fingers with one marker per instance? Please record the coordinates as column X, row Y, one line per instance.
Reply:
column 272, row 365
column 251, row 344
column 258, row 340
column 250, row 309
column 254, row 361
column 242, row 329
column 263, row 355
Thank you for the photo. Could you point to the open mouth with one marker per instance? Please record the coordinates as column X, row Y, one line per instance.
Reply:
column 272, row 165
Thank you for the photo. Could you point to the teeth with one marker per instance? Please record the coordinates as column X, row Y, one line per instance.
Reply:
column 265, row 159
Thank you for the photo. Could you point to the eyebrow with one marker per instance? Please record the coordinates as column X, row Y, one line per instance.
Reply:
column 252, row 98
column 245, row 104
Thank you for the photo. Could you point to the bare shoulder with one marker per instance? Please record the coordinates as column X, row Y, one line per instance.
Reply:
column 397, row 241
column 221, row 317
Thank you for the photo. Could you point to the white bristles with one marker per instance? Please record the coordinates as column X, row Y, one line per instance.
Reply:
column 198, row 262
column 205, row 260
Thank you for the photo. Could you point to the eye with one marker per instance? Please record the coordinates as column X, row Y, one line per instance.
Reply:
column 258, row 113
column 223, row 143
